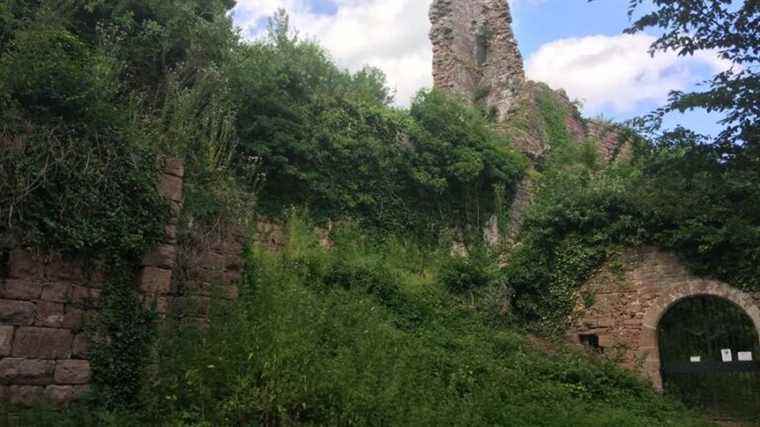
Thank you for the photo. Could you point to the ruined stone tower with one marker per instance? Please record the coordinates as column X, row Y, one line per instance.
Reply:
column 475, row 54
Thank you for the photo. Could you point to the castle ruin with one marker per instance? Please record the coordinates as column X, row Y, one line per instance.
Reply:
column 618, row 310
column 475, row 54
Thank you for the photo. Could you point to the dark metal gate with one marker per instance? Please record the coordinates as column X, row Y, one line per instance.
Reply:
column 722, row 390
column 709, row 350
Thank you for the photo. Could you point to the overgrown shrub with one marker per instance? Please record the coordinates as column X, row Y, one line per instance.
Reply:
column 327, row 139
column 58, row 79
column 297, row 349
column 461, row 274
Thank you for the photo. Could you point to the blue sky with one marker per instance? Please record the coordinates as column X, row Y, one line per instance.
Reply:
column 569, row 44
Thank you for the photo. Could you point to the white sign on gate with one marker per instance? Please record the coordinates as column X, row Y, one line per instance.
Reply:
column 745, row 356
column 696, row 359
column 727, row 355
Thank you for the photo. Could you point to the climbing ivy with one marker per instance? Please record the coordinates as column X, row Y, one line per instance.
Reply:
column 676, row 194
column 122, row 336
column 83, row 92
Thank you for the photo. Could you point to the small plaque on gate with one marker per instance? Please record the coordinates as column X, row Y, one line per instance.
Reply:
column 727, row 355
column 745, row 356
column 696, row 359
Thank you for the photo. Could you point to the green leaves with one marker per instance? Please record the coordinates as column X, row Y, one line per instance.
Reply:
column 732, row 28
column 328, row 139
column 57, row 78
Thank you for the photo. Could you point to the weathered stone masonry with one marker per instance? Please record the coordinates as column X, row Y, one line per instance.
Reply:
column 44, row 302
column 474, row 52
column 622, row 304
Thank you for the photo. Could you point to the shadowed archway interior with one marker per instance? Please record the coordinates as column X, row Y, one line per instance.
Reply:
column 708, row 348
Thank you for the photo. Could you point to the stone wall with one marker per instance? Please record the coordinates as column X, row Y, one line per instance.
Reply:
column 622, row 303
column 475, row 54
column 155, row 279
column 43, row 352
column 45, row 301
column 209, row 266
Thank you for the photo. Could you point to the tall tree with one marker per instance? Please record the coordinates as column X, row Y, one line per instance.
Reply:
column 730, row 27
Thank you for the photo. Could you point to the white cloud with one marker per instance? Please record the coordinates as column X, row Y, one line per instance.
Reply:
column 617, row 72
column 389, row 34
column 606, row 72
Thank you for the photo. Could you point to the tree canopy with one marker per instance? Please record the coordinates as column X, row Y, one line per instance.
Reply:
column 732, row 29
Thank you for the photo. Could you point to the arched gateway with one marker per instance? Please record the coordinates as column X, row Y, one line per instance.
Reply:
column 649, row 344
column 619, row 309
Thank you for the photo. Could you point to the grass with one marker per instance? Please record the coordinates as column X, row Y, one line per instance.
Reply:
column 366, row 334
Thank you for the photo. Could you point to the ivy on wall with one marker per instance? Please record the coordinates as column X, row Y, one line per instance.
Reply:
column 82, row 95
column 680, row 196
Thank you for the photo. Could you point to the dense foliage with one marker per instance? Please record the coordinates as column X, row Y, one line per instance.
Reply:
column 84, row 89
column 684, row 197
column 92, row 90
column 362, row 335
column 86, row 92
column 326, row 138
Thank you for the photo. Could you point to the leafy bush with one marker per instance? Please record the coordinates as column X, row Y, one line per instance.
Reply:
column 327, row 139
column 296, row 349
column 461, row 274
column 682, row 196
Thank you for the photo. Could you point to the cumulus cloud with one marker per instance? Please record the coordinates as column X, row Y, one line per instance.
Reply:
column 389, row 34
column 608, row 73
column 616, row 72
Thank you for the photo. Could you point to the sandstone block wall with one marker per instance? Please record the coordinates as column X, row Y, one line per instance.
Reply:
column 622, row 304
column 43, row 351
column 209, row 267
column 155, row 278
column 475, row 54
column 46, row 300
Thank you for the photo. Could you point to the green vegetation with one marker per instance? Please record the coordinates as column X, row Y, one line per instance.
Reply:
column 730, row 28
column 95, row 95
column 328, row 140
column 366, row 334
column 585, row 211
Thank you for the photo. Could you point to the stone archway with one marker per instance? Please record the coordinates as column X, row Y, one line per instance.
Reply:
column 649, row 349
column 619, row 308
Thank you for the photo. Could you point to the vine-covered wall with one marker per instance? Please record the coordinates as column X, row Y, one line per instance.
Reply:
column 48, row 304
column 618, row 310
